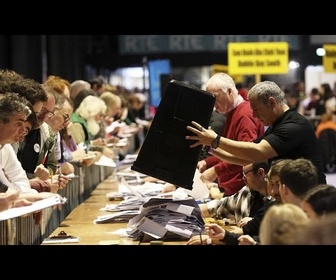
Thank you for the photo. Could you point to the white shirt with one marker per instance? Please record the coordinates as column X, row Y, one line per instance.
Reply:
column 11, row 172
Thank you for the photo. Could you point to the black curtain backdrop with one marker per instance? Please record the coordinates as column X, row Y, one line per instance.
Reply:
column 37, row 56
column 22, row 53
column 66, row 55
column 83, row 56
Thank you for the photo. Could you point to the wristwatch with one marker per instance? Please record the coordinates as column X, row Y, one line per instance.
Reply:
column 215, row 142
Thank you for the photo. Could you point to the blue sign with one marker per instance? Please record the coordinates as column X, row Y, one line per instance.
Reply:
column 155, row 69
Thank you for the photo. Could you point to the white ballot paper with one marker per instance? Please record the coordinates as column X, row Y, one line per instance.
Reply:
column 199, row 190
column 37, row 205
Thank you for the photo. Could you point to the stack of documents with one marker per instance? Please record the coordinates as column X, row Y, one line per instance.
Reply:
column 132, row 203
column 123, row 216
column 147, row 189
column 162, row 217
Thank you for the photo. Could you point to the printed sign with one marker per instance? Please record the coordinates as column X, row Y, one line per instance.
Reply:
column 329, row 59
column 258, row 58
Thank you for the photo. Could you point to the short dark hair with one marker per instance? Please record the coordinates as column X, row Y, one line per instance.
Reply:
column 322, row 199
column 299, row 175
column 260, row 164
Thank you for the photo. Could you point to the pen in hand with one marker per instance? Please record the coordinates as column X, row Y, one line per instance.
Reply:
column 59, row 174
column 44, row 158
column 59, row 169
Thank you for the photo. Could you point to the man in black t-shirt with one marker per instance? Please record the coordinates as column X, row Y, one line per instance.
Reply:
column 289, row 134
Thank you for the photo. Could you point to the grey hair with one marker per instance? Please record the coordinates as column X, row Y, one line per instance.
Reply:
column 11, row 104
column 263, row 90
column 91, row 106
column 221, row 81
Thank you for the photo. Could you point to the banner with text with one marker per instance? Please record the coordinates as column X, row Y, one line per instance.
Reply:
column 258, row 58
column 150, row 44
column 329, row 59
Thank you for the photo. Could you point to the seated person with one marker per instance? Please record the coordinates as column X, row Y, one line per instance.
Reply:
column 295, row 179
column 319, row 201
column 85, row 124
column 244, row 203
column 254, row 175
column 281, row 223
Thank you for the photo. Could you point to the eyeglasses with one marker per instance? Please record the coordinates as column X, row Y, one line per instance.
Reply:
column 246, row 172
column 45, row 112
column 66, row 117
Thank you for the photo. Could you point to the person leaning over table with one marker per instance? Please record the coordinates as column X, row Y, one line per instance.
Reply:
column 113, row 110
column 244, row 203
column 240, row 124
column 255, row 177
column 289, row 134
column 11, row 81
column 85, row 124
column 34, row 92
column 14, row 111
column 273, row 184
column 225, row 178
column 15, row 189
column 281, row 224
column 59, row 121
column 295, row 178
column 37, row 152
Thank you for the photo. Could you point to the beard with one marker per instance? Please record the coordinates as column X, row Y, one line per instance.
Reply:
column 93, row 126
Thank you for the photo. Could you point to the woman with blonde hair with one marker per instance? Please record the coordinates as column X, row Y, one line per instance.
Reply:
column 281, row 223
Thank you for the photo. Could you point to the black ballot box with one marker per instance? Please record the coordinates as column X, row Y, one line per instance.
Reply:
column 165, row 153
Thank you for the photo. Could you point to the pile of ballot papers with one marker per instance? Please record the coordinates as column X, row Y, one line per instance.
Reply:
column 166, row 219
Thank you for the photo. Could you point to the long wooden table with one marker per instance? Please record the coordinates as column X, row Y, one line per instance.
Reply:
column 79, row 222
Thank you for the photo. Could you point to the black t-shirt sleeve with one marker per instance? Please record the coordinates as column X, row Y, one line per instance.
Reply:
column 230, row 238
column 252, row 227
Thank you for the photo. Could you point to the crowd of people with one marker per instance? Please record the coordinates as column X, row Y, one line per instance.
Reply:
column 44, row 134
column 262, row 161
column 283, row 166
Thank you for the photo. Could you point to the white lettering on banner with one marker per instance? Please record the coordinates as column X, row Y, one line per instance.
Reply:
column 185, row 42
column 274, row 38
column 141, row 42
column 220, row 41
column 147, row 44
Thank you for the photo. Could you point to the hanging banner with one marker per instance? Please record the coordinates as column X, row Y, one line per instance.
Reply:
column 258, row 58
column 329, row 59
column 150, row 44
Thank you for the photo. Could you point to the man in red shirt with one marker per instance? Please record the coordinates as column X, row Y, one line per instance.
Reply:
column 240, row 125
